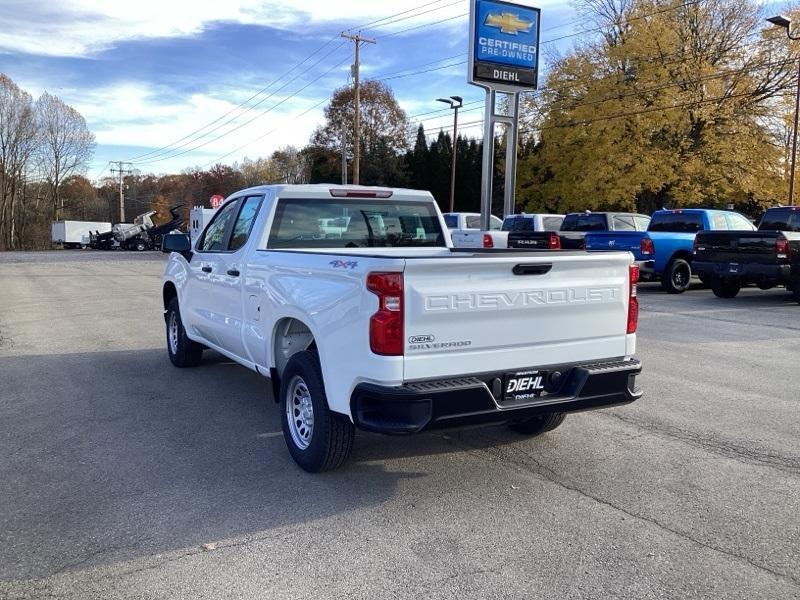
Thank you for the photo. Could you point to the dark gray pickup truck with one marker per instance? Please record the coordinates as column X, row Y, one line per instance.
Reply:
column 768, row 257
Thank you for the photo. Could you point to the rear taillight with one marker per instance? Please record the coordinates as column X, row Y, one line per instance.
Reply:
column 554, row 242
column 633, row 302
column 647, row 246
column 783, row 249
column 386, row 325
column 487, row 241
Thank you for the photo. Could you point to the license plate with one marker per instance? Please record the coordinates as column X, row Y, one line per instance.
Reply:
column 733, row 268
column 525, row 385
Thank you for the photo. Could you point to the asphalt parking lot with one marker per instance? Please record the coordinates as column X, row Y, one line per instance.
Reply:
column 123, row 477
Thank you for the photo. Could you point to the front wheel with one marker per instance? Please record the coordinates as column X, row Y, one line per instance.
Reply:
column 725, row 287
column 677, row 276
column 183, row 352
column 538, row 425
column 318, row 438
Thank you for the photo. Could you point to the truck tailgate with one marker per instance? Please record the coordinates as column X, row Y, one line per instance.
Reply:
column 629, row 241
column 724, row 246
column 507, row 311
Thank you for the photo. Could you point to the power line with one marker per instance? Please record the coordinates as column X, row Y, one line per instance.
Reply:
column 172, row 154
column 170, row 147
column 234, row 109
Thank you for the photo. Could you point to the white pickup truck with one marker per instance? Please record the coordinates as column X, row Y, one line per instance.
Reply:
column 379, row 324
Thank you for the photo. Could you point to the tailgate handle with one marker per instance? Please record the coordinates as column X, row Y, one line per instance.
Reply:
column 532, row 269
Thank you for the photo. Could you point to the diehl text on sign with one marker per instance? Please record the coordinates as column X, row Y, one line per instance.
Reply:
column 505, row 44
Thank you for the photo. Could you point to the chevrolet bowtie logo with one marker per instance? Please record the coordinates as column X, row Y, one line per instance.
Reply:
column 508, row 23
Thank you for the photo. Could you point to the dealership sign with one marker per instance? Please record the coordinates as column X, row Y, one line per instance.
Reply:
column 504, row 45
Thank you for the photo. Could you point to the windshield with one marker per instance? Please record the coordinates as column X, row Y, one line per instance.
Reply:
column 354, row 223
column 785, row 219
column 584, row 222
column 451, row 221
column 677, row 222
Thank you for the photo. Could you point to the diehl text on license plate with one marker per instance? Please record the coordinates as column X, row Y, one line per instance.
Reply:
column 525, row 385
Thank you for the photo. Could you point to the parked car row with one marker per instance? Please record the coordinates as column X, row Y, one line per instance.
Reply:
column 721, row 247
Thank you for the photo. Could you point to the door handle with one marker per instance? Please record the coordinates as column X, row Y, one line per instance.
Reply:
column 206, row 269
column 233, row 273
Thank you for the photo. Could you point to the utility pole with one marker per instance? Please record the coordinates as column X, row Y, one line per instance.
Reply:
column 357, row 40
column 122, row 172
column 344, row 155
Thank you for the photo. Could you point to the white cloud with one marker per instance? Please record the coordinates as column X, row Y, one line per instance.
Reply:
column 84, row 27
column 141, row 119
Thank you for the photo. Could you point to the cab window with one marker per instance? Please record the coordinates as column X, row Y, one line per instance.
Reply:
column 676, row 222
column 244, row 223
column 214, row 236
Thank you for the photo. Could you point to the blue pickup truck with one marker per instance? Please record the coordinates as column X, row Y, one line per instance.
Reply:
column 665, row 250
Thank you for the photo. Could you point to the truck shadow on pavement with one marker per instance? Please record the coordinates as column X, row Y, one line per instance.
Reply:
column 112, row 456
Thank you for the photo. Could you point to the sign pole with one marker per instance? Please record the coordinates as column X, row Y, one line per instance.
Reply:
column 487, row 168
column 512, row 142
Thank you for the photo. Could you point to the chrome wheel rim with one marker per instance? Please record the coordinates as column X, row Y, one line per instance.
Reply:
column 299, row 412
column 172, row 333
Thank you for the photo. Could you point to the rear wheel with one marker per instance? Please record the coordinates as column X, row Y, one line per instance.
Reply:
column 677, row 276
column 538, row 425
column 796, row 291
column 183, row 352
column 725, row 287
column 318, row 438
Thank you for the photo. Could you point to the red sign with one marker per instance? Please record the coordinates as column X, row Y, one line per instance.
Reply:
column 216, row 200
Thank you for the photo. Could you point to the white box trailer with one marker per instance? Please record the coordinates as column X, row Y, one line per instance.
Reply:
column 75, row 234
column 198, row 219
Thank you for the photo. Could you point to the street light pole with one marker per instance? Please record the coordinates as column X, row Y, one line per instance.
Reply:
column 455, row 103
column 781, row 21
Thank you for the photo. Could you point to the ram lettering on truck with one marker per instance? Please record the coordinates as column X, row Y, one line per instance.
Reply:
column 354, row 303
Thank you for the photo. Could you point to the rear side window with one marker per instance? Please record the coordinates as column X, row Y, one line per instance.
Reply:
column 244, row 222
column 624, row 224
column 676, row 222
column 214, row 236
column 306, row 223
column 642, row 223
column 780, row 220
column 495, row 224
column 738, row 222
column 473, row 222
column 584, row 222
column 552, row 223
column 451, row 221
column 718, row 221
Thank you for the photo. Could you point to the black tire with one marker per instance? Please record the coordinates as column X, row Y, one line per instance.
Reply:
column 725, row 287
column 538, row 425
column 183, row 352
column 327, row 443
column 677, row 277
column 796, row 291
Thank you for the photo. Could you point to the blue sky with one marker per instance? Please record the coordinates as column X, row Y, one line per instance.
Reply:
column 148, row 73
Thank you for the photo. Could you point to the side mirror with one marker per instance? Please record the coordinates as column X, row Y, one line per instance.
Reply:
column 176, row 242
